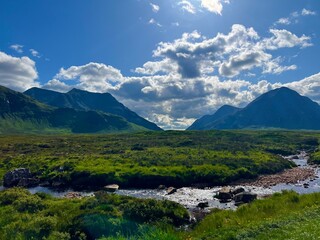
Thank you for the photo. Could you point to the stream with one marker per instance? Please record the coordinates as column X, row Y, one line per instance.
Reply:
column 191, row 197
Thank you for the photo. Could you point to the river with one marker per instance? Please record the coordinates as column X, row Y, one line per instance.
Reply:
column 190, row 197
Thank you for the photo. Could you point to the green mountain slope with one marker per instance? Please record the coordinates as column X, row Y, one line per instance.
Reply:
column 83, row 100
column 21, row 114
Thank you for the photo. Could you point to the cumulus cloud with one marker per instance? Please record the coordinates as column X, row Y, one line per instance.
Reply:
column 195, row 75
column 96, row 77
column 214, row 6
column 194, row 55
column 155, row 8
column 17, row 73
column 17, row 47
column 58, row 86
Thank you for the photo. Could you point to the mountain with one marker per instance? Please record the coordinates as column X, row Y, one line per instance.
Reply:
column 20, row 113
column 279, row 108
column 83, row 100
column 205, row 121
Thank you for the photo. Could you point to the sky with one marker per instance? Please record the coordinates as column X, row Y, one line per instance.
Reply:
column 171, row 61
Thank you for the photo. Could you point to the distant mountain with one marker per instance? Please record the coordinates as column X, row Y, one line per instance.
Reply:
column 279, row 108
column 20, row 113
column 83, row 100
column 205, row 121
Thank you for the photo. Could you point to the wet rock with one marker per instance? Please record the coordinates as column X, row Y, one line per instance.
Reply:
column 171, row 190
column 203, row 205
column 16, row 176
column 245, row 197
column 237, row 190
column 224, row 194
column 111, row 187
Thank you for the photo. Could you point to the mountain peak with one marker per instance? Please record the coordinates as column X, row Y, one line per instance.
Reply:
column 278, row 108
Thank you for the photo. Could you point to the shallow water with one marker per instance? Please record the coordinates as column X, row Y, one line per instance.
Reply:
column 190, row 197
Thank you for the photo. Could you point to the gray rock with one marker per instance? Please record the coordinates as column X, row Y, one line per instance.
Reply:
column 171, row 190
column 245, row 197
column 225, row 194
column 237, row 190
column 111, row 187
column 203, row 205
column 14, row 177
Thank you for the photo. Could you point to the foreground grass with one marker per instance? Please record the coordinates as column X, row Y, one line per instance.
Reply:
column 283, row 216
column 152, row 158
column 110, row 217
column 39, row 216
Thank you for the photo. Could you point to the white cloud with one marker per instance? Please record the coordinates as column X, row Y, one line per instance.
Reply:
column 214, row 6
column 34, row 53
column 182, row 82
column 155, row 8
column 57, row 85
column 96, row 77
column 284, row 21
column 152, row 21
column 294, row 17
column 242, row 49
column 17, row 47
column 306, row 12
column 17, row 73
column 187, row 6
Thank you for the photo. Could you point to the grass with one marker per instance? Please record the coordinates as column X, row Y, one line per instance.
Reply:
column 283, row 216
column 39, row 216
column 148, row 159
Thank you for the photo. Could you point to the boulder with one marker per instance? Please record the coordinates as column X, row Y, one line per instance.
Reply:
column 237, row 190
column 111, row 187
column 12, row 178
column 203, row 205
column 28, row 182
column 171, row 190
column 245, row 197
column 225, row 194
column 73, row 195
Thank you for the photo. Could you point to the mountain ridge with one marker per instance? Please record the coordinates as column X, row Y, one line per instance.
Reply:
column 279, row 108
column 84, row 100
column 20, row 113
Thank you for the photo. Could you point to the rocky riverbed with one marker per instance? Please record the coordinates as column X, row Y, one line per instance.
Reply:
column 302, row 179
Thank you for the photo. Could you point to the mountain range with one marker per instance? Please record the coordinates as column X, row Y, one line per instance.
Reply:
column 20, row 113
column 280, row 108
column 89, row 101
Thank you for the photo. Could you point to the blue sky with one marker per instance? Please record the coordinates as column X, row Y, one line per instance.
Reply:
column 171, row 61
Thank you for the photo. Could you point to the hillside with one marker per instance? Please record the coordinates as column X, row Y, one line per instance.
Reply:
column 22, row 114
column 83, row 100
column 279, row 108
